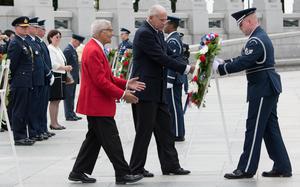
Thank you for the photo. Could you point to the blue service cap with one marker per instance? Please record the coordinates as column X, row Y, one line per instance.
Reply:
column 78, row 37
column 126, row 31
column 33, row 21
column 240, row 15
column 22, row 21
column 41, row 23
column 173, row 19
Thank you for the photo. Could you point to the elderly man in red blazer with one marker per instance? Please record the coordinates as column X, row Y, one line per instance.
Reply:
column 98, row 92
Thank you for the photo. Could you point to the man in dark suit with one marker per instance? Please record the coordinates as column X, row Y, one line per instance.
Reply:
column 264, row 87
column 41, row 30
column 150, row 63
column 21, row 67
column 72, row 59
column 174, row 79
column 99, row 91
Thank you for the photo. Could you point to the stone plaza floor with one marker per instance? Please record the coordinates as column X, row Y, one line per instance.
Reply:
column 48, row 163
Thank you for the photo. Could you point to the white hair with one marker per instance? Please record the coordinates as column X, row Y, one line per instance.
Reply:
column 155, row 10
column 99, row 25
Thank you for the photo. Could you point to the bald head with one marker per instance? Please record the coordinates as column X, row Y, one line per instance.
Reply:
column 157, row 17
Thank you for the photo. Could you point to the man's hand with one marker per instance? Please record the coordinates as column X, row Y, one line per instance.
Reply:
column 130, row 98
column 134, row 84
column 192, row 69
column 51, row 80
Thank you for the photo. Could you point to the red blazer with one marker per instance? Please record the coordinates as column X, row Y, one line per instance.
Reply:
column 99, row 89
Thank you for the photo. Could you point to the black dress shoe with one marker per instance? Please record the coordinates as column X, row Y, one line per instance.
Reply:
column 238, row 174
column 57, row 128
column 50, row 134
column 71, row 119
column 128, row 179
column 74, row 176
column 179, row 139
column 178, row 171
column 146, row 173
column 78, row 118
column 274, row 173
column 25, row 142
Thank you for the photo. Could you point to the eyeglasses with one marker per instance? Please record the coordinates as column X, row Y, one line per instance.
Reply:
column 110, row 30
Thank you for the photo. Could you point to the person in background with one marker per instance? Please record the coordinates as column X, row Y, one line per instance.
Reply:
column 59, row 69
column 126, row 43
column 41, row 31
column 264, row 87
column 72, row 60
column 21, row 67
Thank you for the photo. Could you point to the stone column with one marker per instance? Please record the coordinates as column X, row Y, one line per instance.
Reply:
column 197, row 18
column 123, row 17
column 83, row 14
column 272, row 15
column 296, row 6
column 36, row 8
column 227, row 7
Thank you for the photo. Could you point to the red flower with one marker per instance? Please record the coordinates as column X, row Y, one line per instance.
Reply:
column 202, row 58
column 125, row 63
column 207, row 42
column 195, row 78
column 121, row 76
column 126, row 54
column 216, row 35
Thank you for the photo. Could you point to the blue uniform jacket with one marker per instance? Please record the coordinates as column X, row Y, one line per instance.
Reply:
column 38, row 74
column 257, row 58
column 47, row 59
column 126, row 44
column 72, row 59
column 175, row 49
column 21, row 66
column 150, row 62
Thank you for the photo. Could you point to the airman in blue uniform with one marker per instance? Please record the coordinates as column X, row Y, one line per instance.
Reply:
column 72, row 59
column 126, row 43
column 174, row 79
column 264, row 87
column 36, row 131
column 21, row 68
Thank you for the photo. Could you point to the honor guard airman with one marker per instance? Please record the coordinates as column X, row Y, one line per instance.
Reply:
column 41, row 30
column 174, row 79
column 72, row 60
column 264, row 87
column 36, row 131
column 21, row 68
column 126, row 43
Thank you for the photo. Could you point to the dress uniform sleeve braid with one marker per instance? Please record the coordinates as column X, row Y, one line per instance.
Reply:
column 175, row 46
column 248, row 59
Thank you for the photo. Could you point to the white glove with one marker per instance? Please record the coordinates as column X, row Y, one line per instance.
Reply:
column 169, row 85
column 52, row 80
column 216, row 64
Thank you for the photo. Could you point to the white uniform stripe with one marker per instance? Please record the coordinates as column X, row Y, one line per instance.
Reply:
column 175, row 112
column 254, row 136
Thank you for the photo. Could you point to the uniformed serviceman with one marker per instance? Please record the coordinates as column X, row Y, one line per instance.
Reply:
column 21, row 67
column 41, row 30
column 264, row 87
column 36, row 131
column 126, row 43
column 72, row 59
column 175, row 80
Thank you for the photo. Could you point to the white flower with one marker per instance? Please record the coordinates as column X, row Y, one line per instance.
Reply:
column 203, row 50
column 196, row 68
column 193, row 87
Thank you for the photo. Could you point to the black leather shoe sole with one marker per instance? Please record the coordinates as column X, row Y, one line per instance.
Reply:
column 275, row 174
column 80, row 180
column 232, row 176
column 185, row 172
column 122, row 182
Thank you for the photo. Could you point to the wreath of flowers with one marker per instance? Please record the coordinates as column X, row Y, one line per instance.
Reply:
column 123, row 64
column 111, row 55
column 209, row 47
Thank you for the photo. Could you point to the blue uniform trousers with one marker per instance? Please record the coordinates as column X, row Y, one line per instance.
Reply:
column 36, row 112
column 174, row 97
column 262, row 123
column 20, row 106
column 69, row 100
column 45, row 98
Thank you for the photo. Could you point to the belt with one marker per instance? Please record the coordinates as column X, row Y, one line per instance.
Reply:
column 250, row 71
